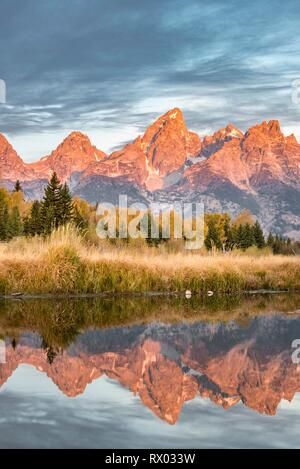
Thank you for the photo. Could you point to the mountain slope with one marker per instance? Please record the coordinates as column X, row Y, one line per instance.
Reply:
column 163, row 149
column 73, row 155
column 259, row 171
column 11, row 165
column 229, row 170
column 167, row 365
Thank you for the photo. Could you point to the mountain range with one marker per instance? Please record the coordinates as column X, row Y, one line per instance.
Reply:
column 228, row 171
column 167, row 365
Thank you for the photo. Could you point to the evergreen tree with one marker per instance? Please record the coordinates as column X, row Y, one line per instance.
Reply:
column 248, row 238
column 4, row 221
column 244, row 236
column 18, row 187
column 14, row 343
column 239, row 236
column 35, row 224
column 277, row 245
column 51, row 355
column 228, row 235
column 281, row 245
column 270, row 240
column 26, row 226
column 51, row 206
column 15, row 223
column 234, row 236
column 57, row 206
column 258, row 234
column 213, row 237
column 66, row 207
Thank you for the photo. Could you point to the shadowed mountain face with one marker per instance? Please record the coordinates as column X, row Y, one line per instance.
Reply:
column 228, row 171
column 168, row 364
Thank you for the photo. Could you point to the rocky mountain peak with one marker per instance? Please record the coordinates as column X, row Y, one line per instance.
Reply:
column 11, row 165
column 266, row 130
column 73, row 155
column 7, row 152
column 167, row 143
column 292, row 140
column 215, row 142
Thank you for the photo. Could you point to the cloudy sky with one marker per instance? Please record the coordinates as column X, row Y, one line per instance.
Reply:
column 109, row 67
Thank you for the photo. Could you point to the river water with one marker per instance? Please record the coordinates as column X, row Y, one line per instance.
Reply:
column 150, row 372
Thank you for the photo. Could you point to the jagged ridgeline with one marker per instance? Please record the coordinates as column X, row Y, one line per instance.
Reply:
column 228, row 171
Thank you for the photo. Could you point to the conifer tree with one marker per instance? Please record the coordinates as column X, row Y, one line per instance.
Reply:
column 239, row 236
column 35, row 224
column 66, row 207
column 234, row 236
column 228, row 235
column 18, row 187
column 14, row 343
column 244, row 236
column 277, row 245
column 15, row 223
column 258, row 234
column 248, row 237
column 213, row 237
column 51, row 355
column 51, row 205
column 26, row 226
column 57, row 206
column 4, row 221
column 270, row 241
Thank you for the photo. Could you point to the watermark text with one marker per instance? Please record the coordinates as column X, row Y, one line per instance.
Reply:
column 2, row 351
column 2, row 92
column 156, row 221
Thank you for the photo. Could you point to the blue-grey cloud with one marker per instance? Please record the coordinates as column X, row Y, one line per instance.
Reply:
column 111, row 66
column 35, row 414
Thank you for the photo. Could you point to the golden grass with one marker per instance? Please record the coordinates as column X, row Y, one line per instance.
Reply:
column 66, row 263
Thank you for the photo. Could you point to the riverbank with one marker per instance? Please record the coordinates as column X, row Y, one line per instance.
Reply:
column 65, row 264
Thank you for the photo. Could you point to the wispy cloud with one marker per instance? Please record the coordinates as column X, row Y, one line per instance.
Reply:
column 109, row 67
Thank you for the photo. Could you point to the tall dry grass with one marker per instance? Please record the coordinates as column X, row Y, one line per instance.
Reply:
column 67, row 263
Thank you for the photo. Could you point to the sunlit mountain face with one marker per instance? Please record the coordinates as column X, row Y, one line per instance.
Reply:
column 242, row 357
column 228, row 170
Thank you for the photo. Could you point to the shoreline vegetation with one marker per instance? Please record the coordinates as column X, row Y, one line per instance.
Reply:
column 65, row 263
column 59, row 322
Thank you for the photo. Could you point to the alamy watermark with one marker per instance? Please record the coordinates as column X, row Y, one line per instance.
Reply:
column 296, row 91
column 2, row 92
column 154, row 221
column 296, row 353
column 2, row 352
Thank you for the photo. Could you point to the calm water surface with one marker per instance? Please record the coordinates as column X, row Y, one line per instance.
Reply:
column 150, row 373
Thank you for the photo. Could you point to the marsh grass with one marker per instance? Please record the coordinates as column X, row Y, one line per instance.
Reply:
column 67, row 264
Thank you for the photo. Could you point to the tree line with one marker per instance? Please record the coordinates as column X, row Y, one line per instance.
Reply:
column 58, row 208
column 54, row 210
column 225, row 234
column 233, row 235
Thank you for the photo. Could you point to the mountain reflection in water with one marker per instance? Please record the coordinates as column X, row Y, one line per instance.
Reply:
column 166, row 351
